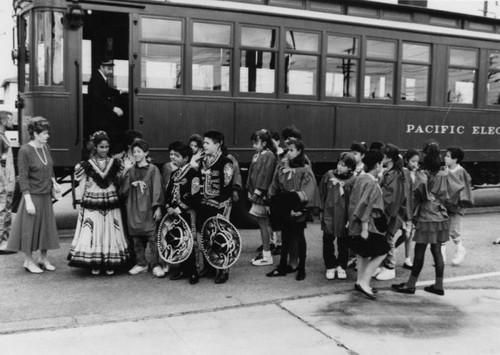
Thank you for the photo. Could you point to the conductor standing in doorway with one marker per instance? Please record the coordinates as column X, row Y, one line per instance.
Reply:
column 105, row 114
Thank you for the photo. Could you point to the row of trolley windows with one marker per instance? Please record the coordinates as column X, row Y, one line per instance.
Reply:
column 212, row 68
column 211, row 63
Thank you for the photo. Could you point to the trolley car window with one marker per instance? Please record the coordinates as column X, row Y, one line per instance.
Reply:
column 414, row 77
column 342, row 71
column 414, row 82
column 463, row 58
column 343, row 45
column 258, row 37
column 494, row 79
column 257, row 71
column 49, row 48
column 302, row 41
column 380, row 49
column 160, row 66
column 379, row 75
column 416, row 53
column 301, row 74
column 211, row 68
column 211, row 33
column 379, row 80
column 341, row 77
column 462, row 76
column 161, row 29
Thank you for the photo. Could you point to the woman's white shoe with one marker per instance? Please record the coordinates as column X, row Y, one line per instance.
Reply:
column 46, row 265
column 31, row 267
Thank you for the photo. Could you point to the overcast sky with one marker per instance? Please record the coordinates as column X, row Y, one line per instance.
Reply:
column 8, row 70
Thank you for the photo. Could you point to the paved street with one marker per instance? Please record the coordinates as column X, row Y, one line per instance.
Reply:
column 71, row 311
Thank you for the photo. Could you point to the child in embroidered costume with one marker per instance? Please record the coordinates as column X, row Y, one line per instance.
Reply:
column 392, row 183
column 434, row 190
column 183, row 197
column 143, row 194
column 217, row 172
column 260, row 176
column 453, row 158
column 334, row 191
column 295, row 189
column 366, row 222
column 99, row 242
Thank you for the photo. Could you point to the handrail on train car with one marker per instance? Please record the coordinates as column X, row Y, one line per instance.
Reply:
column 78, row 93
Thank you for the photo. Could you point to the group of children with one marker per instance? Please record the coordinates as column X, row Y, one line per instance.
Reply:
column 128, row 187
column 372, row 197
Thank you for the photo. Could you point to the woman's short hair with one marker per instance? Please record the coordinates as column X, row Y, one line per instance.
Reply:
column 37, row 125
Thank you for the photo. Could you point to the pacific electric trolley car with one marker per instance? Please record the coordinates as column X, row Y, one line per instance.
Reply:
column 340, row 71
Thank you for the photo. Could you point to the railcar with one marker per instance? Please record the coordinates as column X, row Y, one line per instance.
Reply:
column 340, row 71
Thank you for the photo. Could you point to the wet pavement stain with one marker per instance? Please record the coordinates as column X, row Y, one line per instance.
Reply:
column 408, row 316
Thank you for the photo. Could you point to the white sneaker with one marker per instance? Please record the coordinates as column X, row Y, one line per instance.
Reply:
column 459, row 255
column 330, row 274
column 377, row 271
column 386, row 274
column 261, row 261
column 138, row 269
column 341, row 274
column 158, row 271
column 443, row 252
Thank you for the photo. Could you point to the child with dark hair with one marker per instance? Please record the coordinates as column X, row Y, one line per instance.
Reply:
column 168, row 168
column 411, row 159
column 334, row 190
column 392, row 184
column 260, row 176
column 217, row 172
column 359, row 150
column 183, row 197
column 196, row 144
column 143, row 194
column 126, row 157
column 434, row 190
column 454, row 156
column 99, row 242
column 367, row 223
column 294, row 186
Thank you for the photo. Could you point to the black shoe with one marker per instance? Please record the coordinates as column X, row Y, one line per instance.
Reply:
column 434, row 290
column 178, row 276
column 402, row 288
column 358, row 288
column 207, row 272
column 193, row 279
column 222, row 276
column 277, row 250
column 276, row 272
column 301, row 275
column 407, row 267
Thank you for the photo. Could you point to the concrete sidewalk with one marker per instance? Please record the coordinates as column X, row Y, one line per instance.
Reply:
column 462, row 322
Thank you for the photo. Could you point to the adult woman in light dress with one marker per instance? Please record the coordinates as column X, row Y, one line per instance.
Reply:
column 34, row 226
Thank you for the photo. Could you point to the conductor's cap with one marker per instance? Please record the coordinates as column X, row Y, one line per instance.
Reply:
column 107, row 63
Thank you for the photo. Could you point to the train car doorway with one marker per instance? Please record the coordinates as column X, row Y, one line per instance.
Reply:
column 105, row 39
